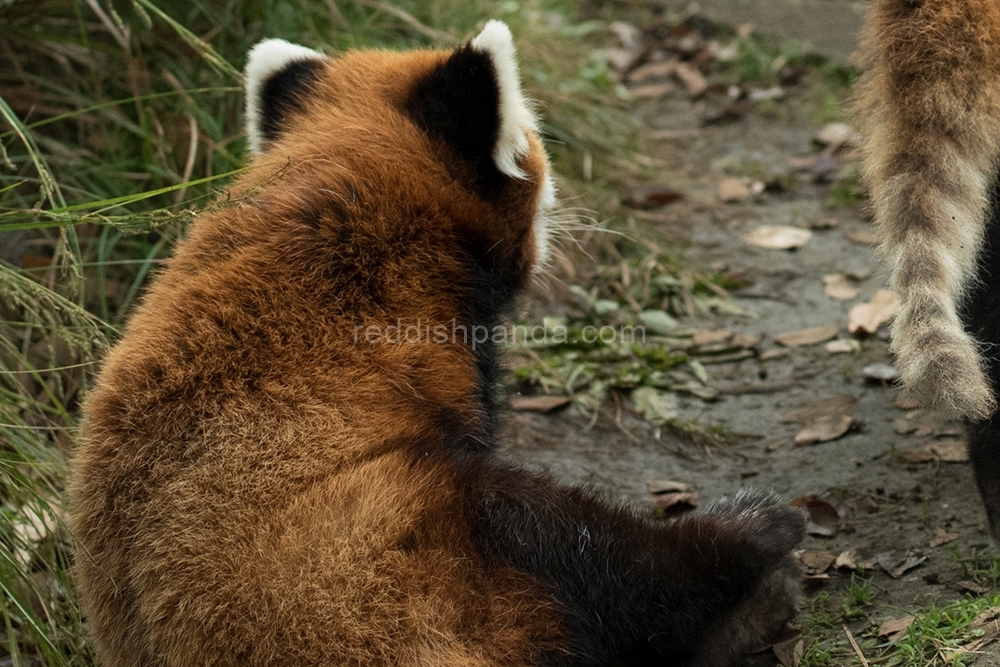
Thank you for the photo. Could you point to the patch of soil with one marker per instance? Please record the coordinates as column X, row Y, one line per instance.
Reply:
column 891, row 507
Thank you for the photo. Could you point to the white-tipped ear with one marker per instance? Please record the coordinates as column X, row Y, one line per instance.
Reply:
column 516, row 117
column 265, row 62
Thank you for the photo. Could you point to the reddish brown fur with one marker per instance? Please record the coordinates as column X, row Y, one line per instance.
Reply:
column 929, row 106
column 242, row 342
column 256, row 484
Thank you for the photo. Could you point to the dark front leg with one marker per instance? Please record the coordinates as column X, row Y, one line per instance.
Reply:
column 982, row 317
column 702, row 590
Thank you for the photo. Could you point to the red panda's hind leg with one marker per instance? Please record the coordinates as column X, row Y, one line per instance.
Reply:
column 636, row 591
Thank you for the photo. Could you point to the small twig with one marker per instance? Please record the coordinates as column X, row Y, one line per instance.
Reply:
column 857, row 649
column 618, row 420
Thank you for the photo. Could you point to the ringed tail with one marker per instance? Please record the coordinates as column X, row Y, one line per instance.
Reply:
column 929, row 110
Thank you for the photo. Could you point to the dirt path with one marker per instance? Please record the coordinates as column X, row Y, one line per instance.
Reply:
column 918, row 526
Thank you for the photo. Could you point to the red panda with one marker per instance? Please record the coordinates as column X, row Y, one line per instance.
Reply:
column 929, row 107
column 264, row 478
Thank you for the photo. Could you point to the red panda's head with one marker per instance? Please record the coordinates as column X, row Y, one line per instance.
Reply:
column 449, row 127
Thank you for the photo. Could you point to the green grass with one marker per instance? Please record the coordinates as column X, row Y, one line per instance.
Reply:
column 118, row 122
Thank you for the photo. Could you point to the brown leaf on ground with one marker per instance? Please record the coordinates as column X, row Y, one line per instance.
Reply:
column 732, row 190
column 895, row 628
column 817, row 562
column 648, row 197
column 789, row 652
column 880, row 373
column 951, row 451
column 947, row 451
column 775, row 237
column 820, row 511
column 972, row 587
column 896, row 567
column 692, row 79
column 865, row 318
column 804, row 163
column 841, row 134
column 652, row 90
column 745, row 341
column 675, row 503
column 942, row 536
column 810, row 336
column 667, row 486
column 624, row 59
column 840, row 287
column 906, row 402
column 848, row 560
column 541, row 404
column 841, row 404
column 823, row 429
column 861, row 238
column 710, row 337
column 776, row 353
column 842, row 345
column 657, row 70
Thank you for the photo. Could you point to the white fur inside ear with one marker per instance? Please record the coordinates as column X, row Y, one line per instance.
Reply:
column 516, row 118
column 265, row 60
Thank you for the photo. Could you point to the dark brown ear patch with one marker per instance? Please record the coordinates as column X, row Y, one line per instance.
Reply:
column 283, row 93
column 459, row 104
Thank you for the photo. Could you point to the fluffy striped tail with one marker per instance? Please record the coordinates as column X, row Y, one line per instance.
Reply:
column 929, row 109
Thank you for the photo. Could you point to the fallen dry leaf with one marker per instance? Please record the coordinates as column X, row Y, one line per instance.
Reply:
column 624, row 59
column 823, row 429
column 733, row 190
column 776, row 353
column 866, row 317
column 745, row 341
column 629, row 36
column 667, row 486
column 836, row 133
column 880, row 373
column 942, row 536
column 894, row 628
column 541, row 404
column 951, row 451
column 896, row 568
column 842, row 345
column 820, row 511
column 904, row 425
column 947, row 451
column 848, row 560
column 656, row 70
column 817, row 562
column 789, row 652
column 809, row 336
column 709, row 337
column 804, row 163
column 840, row 287
column 675, row 503
column 648, row 197
column 691, row 78
column 776, row 237
column 971, row 587
column 861, row 238
column 652, row 90
column 841, row 404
